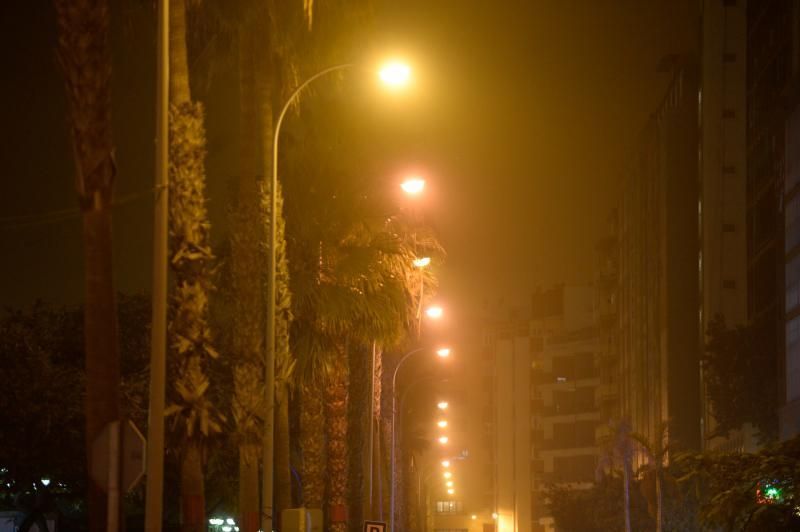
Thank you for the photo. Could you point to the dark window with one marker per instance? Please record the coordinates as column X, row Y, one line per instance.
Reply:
column 574, row 468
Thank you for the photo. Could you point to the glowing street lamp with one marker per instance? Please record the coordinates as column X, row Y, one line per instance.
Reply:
column 494, row 515
column 434, row 312
column 442, row 405
column 447, row 475
column 445, row 463
column 449, row 483
column 422, row 262
column 395, row 74
column 443, row 440
column 450, row 491
column 443, row 352
column 441, row 423
column 473, row 517
column 413, row 186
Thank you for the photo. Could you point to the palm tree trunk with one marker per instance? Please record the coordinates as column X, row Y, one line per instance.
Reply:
column 312, row 443
column 336, row 427
column 193, row 513
column 283, row 472
column 188, row 232
column 85, row 57
column 626, row 474
column 247, row 272
column 659, row 502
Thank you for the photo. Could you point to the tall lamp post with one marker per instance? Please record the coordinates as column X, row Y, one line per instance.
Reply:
column 392, row 74
column 442, row 353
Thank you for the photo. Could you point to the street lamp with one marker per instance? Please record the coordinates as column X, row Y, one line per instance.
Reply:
column 413, row 186
column 422, row 262
column 445, row 463
column 442, row 423
column 443, row 440
column 394, row 75
column 434, row 312
column 442, row 353
column 450, row 491
column 442, row 405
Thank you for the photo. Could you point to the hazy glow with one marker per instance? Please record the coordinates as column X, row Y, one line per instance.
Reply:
column 413, row 185
column 474, row 517
column 442, row 405
column 449, row 483
column 422, row 262
column 442, row 423
column 443, row 352
column 450, row 491
column 447, row 474
column 445, row 463
column 443, row 439
column 494, row 515
column 230, row 521
column 434, row 312
column 45, row 482
column 395, row 74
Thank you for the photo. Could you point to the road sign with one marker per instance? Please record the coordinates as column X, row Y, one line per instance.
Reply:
column 133, row 455
column 374, row 526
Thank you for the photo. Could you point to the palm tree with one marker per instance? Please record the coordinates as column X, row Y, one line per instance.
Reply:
column 85, row 57
column 618, row 447
column 656, row 454
column 194, row 416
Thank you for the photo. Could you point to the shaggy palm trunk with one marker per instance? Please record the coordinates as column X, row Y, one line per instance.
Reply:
column 189, row 333
column 336, row 428
column 247, row 272
column 659, row 501
column 312, row 444
column 85, row 57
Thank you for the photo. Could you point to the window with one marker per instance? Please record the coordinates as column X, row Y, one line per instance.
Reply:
column 449, row 507
column 574, row 468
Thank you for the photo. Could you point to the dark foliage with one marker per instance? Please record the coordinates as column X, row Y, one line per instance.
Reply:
column 740, row 379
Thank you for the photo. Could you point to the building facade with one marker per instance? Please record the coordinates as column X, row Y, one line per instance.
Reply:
column 658, row 281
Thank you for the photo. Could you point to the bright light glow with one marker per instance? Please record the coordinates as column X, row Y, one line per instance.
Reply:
column 443, row 352
column 215, row 521
column 442, row 405
column 413, row 185
column 395, row 74
column 450, row 491
column 449, row 483
column 445, row 463
column 230, row 521
column 494, row 515
column 474, row 517
column 434, row 312
column 443, row 439
column 422, row 262
column 227, row 528
column 45, row 482
column 447, row 474
column 442, row 423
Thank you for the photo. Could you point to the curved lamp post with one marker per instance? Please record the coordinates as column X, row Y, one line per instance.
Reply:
column 393, row 74
column 442, row 353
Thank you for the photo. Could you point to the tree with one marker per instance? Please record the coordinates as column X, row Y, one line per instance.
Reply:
column 617, row 453
column 85, row 57
column 656, row 454
column 740, row 378
column 747, row 491
column 194, row 417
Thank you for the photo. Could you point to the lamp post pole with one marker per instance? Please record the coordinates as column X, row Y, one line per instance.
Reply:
column 394, row 433
column 268, row 449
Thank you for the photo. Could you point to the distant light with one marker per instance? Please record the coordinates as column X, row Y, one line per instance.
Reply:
column 434, row 312
column 443, row 352
column 230, row 521
column 442, row 423
column 449, row 483
column 494, row 515
column 413, row 185
column 395, row 74
column 445, row 463
column 443, row 440
column 447, row 474
column 561, row 379
column 474, row 517
column 215, row 521
column 227, row 528
column 442, row 405
column 422, row 262
column 45, row 482
column 450, row 491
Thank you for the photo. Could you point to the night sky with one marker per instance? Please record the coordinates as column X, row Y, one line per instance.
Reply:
column 522, row 121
